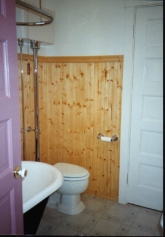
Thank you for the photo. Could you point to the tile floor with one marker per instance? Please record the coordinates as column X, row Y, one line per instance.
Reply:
column 102, row 217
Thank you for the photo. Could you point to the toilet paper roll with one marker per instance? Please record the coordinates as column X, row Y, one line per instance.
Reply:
column 106, row 139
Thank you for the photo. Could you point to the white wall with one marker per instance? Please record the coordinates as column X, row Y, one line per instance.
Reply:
column 87, row 27
column 83, row 27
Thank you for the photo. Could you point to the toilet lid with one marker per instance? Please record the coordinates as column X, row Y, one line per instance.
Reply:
column 71, row 171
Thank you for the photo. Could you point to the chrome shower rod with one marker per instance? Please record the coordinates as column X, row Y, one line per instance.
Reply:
column 35, row 9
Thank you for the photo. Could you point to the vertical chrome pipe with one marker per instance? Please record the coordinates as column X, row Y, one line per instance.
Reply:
column 35, row 46
column 20, row 43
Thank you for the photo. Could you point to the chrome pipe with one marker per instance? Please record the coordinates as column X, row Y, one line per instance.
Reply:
column 35, row 9
column 20, row 43
column 35, row 46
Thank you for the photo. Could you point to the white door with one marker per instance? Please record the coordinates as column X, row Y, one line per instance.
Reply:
column 145, row 178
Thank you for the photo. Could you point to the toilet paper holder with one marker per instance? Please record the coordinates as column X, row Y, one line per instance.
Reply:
column 113, row 138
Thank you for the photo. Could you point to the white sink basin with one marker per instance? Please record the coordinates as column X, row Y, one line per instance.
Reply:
column 41, row 181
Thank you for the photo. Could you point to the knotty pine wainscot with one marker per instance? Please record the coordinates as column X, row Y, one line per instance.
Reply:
column 79, row 97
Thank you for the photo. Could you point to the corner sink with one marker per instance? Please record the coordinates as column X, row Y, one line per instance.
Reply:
column 41, row 181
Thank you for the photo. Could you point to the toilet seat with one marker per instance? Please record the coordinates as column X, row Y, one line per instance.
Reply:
column 72, row 172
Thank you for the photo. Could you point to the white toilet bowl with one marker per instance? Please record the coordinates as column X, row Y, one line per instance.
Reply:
column 75, row 182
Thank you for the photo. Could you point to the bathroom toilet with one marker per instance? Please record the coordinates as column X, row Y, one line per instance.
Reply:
column 67, row 198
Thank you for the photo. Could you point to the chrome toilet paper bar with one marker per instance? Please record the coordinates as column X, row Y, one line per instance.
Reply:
column 107, row 139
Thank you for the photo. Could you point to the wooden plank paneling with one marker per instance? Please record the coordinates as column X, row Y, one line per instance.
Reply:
column 44, row 117
column 28, row 91
column 56, row 110
column 80, row 97
column 75, row 59
column 68, row 115
column 96, row 130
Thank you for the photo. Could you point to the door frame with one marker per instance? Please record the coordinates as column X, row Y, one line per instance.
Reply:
column 130, row 14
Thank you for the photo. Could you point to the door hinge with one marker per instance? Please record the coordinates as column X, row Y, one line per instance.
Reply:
column 127, row 178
